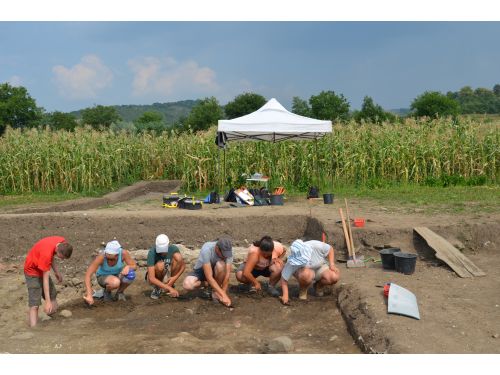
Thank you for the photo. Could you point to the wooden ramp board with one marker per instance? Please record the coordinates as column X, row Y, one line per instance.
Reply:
column 449, row 254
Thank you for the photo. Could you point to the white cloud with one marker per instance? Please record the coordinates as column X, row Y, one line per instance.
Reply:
column 15, row 81
column 83, row 80
column 168, row 77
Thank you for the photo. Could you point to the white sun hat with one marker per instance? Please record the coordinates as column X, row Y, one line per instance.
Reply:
column 162, row 243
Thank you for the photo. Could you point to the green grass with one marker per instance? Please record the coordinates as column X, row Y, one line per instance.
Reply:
column 453, row 199
column 15, row 200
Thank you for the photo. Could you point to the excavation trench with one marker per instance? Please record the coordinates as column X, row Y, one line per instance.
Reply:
column 351, row 319
column 190, row 324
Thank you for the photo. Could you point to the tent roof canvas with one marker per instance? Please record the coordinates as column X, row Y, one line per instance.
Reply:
column 272, row 122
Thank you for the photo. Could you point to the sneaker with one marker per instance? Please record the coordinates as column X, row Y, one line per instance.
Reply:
column 214, row 298
column 121, row 296
column 98, row 293
column 273, row 291
column 107, row 296
column 155, row 294
column 318, row 291
column 303, row 294
column 206, row 293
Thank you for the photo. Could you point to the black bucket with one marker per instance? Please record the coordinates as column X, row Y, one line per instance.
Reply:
column 328, row 198
column 405, row 262
column 387, row 255
column 276, row 199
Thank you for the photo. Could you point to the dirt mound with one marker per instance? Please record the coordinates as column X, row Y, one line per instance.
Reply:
column 122, row 195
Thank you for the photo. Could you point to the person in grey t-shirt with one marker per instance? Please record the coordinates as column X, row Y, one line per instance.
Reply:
column 310, row 261
column 213, row 266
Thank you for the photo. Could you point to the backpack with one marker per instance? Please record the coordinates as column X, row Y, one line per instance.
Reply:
column 213, row 197
column 230, row 196
column 313, row 192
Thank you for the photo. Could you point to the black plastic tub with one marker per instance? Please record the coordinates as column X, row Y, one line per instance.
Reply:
column 405, row 262
column 276, row 199
column 328, row 198
column 387, row 256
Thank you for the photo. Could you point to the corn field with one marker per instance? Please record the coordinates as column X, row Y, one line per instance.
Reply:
column 89, row 160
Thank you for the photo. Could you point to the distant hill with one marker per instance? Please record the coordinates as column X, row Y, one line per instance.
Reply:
column 400, row 111
column 171, row 111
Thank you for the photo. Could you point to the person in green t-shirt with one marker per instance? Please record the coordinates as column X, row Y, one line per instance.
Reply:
column 165, row 265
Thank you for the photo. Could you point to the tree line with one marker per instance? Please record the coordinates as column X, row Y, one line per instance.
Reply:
column 19, row 110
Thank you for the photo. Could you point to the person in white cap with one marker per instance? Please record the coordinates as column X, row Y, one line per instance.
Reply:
column 310, row 262
column 114, row 269
column 165, row 265
column 214, row 267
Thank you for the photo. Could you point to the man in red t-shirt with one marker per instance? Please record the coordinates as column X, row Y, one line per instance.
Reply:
column 37, row 273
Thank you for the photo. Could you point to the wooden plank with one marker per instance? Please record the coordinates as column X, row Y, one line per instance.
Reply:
column 449, row 254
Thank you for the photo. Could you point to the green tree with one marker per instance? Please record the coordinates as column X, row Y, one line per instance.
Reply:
column 372, row 112
column 300, row 107
column 149, row 116
column 434, row 104
column 17, row 108
column 205, row 114
column 329, row 106
column 100, row 116
column 60, row 120
column 244, row 104
column 496, row 89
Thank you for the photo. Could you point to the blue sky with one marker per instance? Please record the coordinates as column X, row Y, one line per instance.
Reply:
column 71, row 65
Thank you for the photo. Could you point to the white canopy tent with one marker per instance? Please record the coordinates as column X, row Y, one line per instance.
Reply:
column 272, row 123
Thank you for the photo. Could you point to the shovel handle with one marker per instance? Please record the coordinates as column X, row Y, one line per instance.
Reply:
column 346, row 233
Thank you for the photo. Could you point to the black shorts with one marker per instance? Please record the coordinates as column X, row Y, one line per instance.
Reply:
column 265, row 272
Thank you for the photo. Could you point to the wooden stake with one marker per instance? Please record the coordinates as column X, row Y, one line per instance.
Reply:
column 346, row 234
column 350, row 229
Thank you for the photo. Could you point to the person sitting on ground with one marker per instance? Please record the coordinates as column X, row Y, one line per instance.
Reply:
column 264, row 258
column 310, row 261
column 214, row 267
column 37, row 267
column 164, row 262
column 115, row 270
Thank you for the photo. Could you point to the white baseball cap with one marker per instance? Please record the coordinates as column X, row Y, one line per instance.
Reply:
column 112, row 247
column 162, row 243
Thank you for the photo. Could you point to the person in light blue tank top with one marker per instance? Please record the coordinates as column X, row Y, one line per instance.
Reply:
column 114, row 269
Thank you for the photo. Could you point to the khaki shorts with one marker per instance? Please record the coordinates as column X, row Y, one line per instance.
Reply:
column 35, row 290
column 317, row 272
column 101, row 280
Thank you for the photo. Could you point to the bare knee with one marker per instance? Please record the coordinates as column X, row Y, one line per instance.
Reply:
column 220, row 268
column 240, row 277
column 306, row 276
column 190, row 283
column 112, row 282
column 275, row 269
column 330, row 277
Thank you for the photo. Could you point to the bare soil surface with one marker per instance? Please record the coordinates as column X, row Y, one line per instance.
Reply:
column 457, row 315
column 189, row 324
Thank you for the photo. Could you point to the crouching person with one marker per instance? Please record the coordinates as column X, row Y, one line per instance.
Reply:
column 115, row 270
column 264, row 258
column 214, row 267
column 309, row 262
column 37, row 267
column 165, row 265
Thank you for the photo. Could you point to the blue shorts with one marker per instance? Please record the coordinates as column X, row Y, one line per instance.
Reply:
column 199, row 274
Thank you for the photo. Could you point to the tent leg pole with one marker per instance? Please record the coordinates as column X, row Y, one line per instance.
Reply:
column 316, row 161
